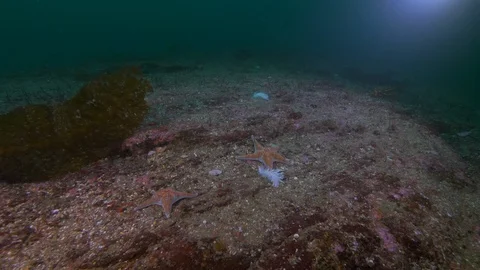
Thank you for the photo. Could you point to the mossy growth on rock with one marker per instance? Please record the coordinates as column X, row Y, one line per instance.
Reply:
column 39, row 142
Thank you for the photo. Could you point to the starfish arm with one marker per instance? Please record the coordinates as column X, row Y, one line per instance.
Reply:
column 186, row 195
column 181, row 195
column 170, row 201
column 254, row 156
column 256, row 145
column 278, row 158
column 268, row 161
column 167, row 208
column 147, row 203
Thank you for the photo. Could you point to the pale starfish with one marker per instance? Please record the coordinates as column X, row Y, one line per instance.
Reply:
column 265, row 155
column 166, row 198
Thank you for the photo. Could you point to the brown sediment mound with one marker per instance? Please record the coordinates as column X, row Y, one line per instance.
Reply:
column 38, row 142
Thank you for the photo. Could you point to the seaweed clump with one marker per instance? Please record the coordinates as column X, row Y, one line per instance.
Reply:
column 39, row 142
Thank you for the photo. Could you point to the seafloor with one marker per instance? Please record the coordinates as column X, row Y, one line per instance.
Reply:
column 367, row 186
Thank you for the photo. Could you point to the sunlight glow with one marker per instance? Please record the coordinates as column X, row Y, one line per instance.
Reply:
column 428, row 6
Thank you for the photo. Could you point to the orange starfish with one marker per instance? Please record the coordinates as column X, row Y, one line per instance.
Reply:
column 266, row 155
column 166, row 198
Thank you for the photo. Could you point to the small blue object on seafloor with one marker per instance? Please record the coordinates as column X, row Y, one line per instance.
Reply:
column 261, row 95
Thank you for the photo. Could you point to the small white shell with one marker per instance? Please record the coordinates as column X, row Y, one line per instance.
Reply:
column 215, row 172
column 261, row 95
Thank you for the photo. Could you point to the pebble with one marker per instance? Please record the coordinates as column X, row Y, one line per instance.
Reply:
column 215, row 172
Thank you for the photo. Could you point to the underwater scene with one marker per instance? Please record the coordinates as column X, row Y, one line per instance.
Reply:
column 240, row 134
